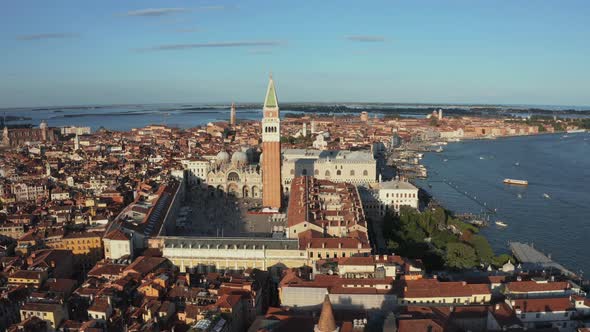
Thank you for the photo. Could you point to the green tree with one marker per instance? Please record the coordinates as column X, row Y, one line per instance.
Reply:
column 388, row 223
column 502, row 259
column 440, row 216
column 460, row 256
column 442, row 239
column 482, row 249
column 392, row 245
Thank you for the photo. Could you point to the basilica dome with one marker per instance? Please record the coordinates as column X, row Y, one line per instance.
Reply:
column 222, row 157
column 240, row 158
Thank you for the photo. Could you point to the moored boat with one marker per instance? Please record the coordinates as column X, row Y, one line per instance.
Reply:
column 514, row 181
column 501, row 223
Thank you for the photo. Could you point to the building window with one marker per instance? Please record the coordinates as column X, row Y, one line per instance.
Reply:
column 338, row 172
column 304, row 172
column 233, row 176
column 327, row 173
column 316, row 172
column 365, row 173
column 352, row 172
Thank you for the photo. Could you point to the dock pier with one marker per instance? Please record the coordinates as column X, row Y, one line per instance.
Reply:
column 533, row 258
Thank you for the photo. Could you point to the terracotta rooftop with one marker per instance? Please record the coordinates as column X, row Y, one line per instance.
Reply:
column 117, row 234
column 534, row 286
column 543, row 304
column 426, row 288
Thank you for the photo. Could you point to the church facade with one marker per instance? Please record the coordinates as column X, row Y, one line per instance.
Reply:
column 236, row 177
column 22, row 136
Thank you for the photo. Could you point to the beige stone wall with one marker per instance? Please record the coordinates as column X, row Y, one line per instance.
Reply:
column 476, row 298
column 235, row 258
column 337, row 170
column 312, row 253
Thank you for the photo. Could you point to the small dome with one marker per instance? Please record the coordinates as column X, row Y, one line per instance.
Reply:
column 222, row 157
column 239, row 157
column 249, row 152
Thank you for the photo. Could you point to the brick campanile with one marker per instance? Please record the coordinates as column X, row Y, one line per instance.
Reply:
column 271, row 149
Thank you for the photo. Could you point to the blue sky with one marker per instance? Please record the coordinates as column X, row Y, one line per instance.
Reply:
column 68, row 52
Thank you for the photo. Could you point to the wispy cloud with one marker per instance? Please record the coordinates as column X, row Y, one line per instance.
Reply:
column 156, row 11
column 41, row 36
column 366, row 38
column 169, row 47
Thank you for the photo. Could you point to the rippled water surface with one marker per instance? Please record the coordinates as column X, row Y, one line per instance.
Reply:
column 553, row 211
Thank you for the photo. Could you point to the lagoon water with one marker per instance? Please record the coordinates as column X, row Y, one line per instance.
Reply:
column 127, row 117
column 467, row 177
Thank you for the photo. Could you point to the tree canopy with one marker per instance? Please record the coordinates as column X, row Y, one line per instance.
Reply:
column 437, row 238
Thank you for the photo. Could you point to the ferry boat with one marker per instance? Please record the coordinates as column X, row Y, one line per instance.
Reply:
column 501, row 223
column 546, row 196
column 440, row 149
column 574, row 131
column 514, row 181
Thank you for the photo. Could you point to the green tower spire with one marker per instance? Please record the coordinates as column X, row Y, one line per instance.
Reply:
column 271, row 96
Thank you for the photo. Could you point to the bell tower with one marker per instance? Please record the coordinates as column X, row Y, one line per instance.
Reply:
column 271, row 147
column 232, row 115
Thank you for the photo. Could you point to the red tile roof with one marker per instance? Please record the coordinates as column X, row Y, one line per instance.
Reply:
column 415, row 325
column 533, row 286
column 427, row 288
column 117, row 234
column 543, row 304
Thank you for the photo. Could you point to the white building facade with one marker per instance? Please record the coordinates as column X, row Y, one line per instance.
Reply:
column 197, row 170
column 356, row 167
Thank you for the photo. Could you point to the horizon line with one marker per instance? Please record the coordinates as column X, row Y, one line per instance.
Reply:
column 219, row 103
